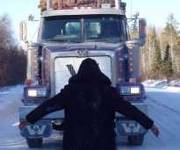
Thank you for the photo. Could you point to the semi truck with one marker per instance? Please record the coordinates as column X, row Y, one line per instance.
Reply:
column 69, row 32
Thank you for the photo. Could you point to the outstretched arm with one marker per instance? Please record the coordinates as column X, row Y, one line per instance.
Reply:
column 55, row 103
column 129, row 110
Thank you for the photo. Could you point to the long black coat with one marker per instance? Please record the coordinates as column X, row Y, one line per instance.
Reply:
column 90, row 104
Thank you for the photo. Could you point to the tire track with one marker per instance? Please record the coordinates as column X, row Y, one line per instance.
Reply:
column 12, row 143
column 168, row 112
column 163, row 105
column 166, row 118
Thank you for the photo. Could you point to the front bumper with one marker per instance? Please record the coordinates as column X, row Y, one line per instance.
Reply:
column 42, row 128
column 126, row 127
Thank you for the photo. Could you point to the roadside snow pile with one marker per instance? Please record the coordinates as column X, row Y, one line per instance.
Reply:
column 9, row 93
column 10, row 89
column 155, row 83
column 4, row 90
column 175, row 83
column 172, row 86
column 173, row 89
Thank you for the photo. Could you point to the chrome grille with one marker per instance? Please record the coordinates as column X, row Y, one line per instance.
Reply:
column 66, row 66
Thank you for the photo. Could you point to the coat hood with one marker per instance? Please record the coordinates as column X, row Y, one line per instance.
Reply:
column 89, row 72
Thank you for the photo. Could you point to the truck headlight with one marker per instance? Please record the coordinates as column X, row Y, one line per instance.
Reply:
column 130, row 90
column 34, row 92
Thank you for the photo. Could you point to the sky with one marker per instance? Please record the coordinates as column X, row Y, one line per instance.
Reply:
column 155, row 11
column 19, row 10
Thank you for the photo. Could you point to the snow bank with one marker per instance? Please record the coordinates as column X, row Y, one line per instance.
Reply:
column 10, row 89
column 10, row 94
column 163, row 85
column 173, row 89
column 155, row 83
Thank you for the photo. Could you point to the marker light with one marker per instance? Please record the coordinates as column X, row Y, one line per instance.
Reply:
column 36, row 92
column 130, row 90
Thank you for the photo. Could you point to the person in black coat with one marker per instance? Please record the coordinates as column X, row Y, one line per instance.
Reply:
column 90, row 103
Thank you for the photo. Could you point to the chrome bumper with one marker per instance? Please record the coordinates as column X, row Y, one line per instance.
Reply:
column 126, row 127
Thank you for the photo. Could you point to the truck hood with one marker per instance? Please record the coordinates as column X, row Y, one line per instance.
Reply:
column 55, row 47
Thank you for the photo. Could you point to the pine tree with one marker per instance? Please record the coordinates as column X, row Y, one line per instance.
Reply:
column 156, row 55
column 166, row 66
column 167, row 54
column 177, row 58
column 161, row 54
column 169, row 37
column 151, row 55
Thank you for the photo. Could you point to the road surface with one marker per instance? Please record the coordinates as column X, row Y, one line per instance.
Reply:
column 164, row 108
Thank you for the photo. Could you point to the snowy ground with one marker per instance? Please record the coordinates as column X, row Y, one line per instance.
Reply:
column 164, row 108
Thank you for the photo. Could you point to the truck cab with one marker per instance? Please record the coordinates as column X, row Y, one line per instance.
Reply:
column 68, row 34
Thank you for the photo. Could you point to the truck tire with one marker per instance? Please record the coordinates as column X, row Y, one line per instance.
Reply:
column 34, row 142
column 135, row 139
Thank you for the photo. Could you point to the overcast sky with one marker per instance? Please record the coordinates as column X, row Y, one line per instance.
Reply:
column 155, row 11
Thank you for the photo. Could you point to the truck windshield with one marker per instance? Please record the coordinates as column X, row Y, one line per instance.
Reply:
column 87, row 28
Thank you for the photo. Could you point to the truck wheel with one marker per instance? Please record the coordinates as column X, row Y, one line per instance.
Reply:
column 34, row 142
column 135, row 139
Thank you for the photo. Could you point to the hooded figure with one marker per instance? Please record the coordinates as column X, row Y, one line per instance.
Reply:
column 90, row 104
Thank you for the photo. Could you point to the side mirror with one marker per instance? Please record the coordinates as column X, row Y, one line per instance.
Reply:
column 142, row 31
column 23, row 31
column 137, row 29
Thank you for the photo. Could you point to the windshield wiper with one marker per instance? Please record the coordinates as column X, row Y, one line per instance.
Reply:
column 108, row 40
column 64, row 40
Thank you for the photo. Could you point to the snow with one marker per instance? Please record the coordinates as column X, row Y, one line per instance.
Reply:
column 164, row 109
column 155, row 83
column 167, row 95
column 163, row 85
column 9, row 94
column 11, row 89
column 175, row 83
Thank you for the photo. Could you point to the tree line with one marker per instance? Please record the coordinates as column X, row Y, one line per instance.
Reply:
column 160, row 57
column 12, row 57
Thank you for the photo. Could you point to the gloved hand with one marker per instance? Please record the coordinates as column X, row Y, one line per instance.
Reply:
column 155, row 130
column 23, row 124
